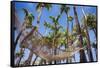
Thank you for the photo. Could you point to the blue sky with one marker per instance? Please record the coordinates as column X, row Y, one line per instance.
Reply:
column 54, row 11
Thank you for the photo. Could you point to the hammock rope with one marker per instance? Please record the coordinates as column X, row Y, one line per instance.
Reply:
column 46, row 53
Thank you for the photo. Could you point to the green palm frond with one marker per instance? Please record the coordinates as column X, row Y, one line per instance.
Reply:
column 38, row 6
column 52, row 18
column 25, row 11
column 58, row 17
column 70, row 18
column 48, row 6
column 31, row 18
column 64, row 8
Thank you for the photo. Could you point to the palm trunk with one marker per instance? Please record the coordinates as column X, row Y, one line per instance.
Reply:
column 72, row 28
column 28, row 61
column 16, row 41
column 82, row 53
column 54, row 50
column 67, row 36
column 95, row 33
column 72, row 40
column 96, row 54
column 88, row 39
column 41, row 61
column 89, row 46
column 34, row 60
column 39, row 16
column 16, row 23
column 21, row 51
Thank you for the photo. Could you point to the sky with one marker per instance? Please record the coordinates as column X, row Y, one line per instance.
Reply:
column 54, row 11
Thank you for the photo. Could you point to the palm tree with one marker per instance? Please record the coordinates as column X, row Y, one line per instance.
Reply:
column 28, row 61
column 16, row 26
column 65, row 8
column 55, row 27
column 94, row 45
column 34, row 60
column 82, row 53
column 39, row 9
column 20, row 56
column 28, row 19
column 91, row 23
column 55, row 34
column 85, row 19
column 27, row 24
column 70, row 19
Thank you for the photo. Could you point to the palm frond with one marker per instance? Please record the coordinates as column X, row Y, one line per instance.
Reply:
column 25, row 11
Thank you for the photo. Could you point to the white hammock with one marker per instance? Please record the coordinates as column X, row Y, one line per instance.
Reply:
column 61, row 56
column 45, row 53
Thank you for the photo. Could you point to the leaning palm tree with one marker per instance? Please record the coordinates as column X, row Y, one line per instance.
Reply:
column 82, row 53
column 17, row 27
column 19, row 55
column 85, row 20
column 26, row 25
column 28, row 19
column 91, row 23
column 20, row 28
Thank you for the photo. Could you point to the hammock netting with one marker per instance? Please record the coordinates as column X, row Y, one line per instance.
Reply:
column 34, row 42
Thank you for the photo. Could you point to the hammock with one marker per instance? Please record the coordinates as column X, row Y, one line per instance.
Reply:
column 62, row 56
column 46, row 53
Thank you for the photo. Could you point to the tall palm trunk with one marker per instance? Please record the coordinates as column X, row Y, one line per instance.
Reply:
column 95, row 32
column 55, row 52
column 16, row 41
column 20, row 57
column 39, row 16
column 28, row 61
column 67, row 35
column 88, row 39
column 89, row 46
column 82, row 53
column 67, row 29
column 72, row 29
column 17, row 23
column 72, row 40
column 34, row 60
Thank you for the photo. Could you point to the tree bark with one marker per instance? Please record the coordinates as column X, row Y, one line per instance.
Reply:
column 88, row 39
column 88, row 45
column 18, row 62
column 16, row 41
column 95, row 33
column 28, row 61
column 82, row 53
column 34, row 60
